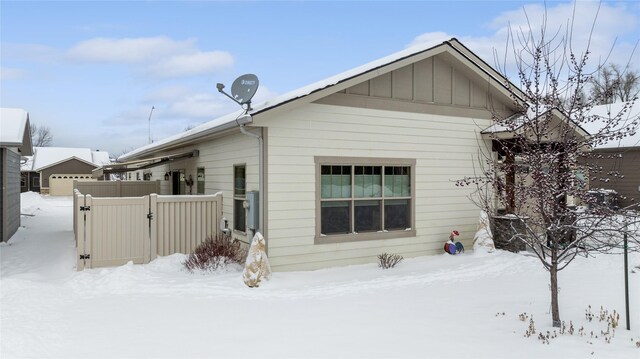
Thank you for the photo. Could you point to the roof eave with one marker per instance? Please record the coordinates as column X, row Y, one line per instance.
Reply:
column 183, row 141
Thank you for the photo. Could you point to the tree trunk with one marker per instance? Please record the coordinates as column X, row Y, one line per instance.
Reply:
column 553, row 271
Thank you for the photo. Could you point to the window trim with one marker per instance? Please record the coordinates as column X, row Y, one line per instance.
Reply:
column 204, row 182
column 237, row 197
column 362, row 161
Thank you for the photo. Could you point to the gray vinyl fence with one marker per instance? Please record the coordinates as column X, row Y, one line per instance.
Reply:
column 112, row 231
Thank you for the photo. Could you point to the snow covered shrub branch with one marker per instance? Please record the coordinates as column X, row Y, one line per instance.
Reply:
column 215, row 252
column 386, row 260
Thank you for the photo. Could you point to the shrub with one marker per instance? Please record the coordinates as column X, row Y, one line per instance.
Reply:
column 215, row 252
column 386, row 260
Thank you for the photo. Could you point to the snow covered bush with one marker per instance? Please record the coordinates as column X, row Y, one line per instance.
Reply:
column 215, row 252
column 386, row 260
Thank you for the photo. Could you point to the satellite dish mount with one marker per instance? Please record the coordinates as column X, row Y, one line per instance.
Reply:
column 242, row 90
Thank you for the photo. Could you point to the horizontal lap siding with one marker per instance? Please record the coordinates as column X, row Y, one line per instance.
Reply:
column 445, row 149
column 217, row 157
column 10, row 194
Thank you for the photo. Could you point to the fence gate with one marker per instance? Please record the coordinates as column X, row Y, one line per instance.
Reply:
column 116, row 231
column 112, row 231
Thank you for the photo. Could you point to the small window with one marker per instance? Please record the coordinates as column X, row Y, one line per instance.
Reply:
column 200, row 180
column 239, row 196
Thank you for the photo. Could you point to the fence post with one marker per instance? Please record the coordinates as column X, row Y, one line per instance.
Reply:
column 80, row 225
column 119, row 188
column 153, row 226
column 88, row 239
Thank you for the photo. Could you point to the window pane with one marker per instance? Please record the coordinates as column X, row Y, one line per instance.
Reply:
column 335, row 182
column 335, row 217
column 396, row 182
column 367, row 216
column 397, row 214
column 239, row 181
column 239, row 215
column 368, row 182
column 200, row 180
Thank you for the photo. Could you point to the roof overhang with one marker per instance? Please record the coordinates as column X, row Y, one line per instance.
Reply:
column 23, row 140
column 63, row 161
column 501, row 132
column 142, row 164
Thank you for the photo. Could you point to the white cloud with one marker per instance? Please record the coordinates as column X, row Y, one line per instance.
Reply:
column 198, row 63
column 128, row 50
column 607, row 42
column 430, row 38
column 205, row 106
column 7, row 73
column 159, row 56
column 29, row 52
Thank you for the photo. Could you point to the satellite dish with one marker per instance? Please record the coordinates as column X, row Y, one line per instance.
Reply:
column 244, row 87
column 242, row 90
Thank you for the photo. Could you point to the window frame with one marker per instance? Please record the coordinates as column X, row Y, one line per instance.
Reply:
column 239, row 198
column 363, row 161
column 203, row 182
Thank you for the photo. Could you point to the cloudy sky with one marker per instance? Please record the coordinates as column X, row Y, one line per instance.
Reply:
column 92, row 70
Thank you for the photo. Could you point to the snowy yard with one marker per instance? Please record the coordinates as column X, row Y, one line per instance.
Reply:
column 463, row 306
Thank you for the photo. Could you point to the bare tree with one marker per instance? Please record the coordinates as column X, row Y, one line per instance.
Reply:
column 541, row 154
column 41, row 136
column 614, row 84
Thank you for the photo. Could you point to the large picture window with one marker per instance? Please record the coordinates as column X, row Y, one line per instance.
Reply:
column 239, row 196
column 362, row 199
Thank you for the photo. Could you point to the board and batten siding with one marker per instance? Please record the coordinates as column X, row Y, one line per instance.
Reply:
column 10, row 195
column 439, row 80
column 217, row 157
column 445, row 149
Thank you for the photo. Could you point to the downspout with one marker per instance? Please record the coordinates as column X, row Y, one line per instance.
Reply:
column 242, row 121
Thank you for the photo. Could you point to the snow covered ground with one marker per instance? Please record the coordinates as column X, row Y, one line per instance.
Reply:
column 463, row 306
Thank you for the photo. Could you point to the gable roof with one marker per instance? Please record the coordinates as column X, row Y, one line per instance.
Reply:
column 337, row 83
column 598, row 117
column 45, row 157
column 15, row 130
column 502, row 131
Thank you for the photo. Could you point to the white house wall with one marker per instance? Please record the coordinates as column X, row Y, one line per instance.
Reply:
column 218, row 157
column 445, row 149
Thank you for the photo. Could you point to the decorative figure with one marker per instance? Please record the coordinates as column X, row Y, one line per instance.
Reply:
column 451, row 246
column 257, row 264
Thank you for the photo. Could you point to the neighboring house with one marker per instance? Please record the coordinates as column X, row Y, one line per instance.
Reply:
column 15, row 141
column 357, row 165
column 618, row 156
column 53, row 169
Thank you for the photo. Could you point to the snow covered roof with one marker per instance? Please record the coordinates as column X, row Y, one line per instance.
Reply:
column 519, row 121
column 100, row 158
column 26, row 163
column 604, row 112
column 229, row 121
column 14, row 129
column 44, row 157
